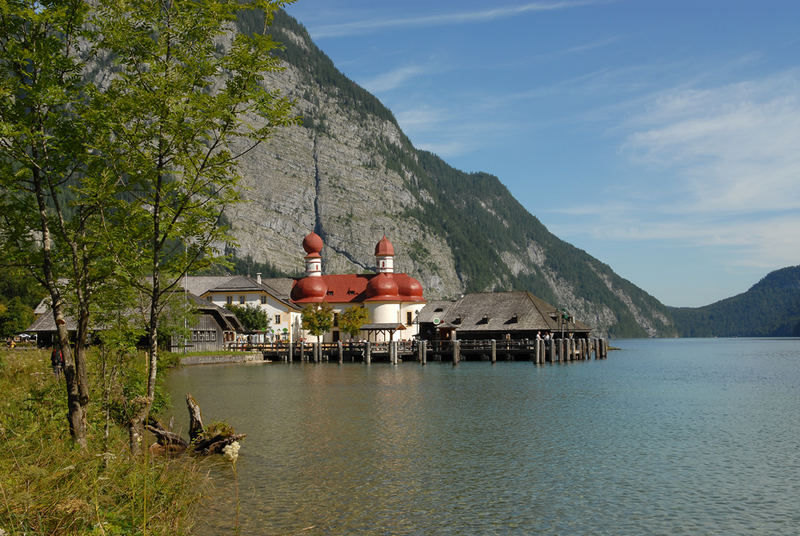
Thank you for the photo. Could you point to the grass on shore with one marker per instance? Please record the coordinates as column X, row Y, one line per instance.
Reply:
column 50, row 487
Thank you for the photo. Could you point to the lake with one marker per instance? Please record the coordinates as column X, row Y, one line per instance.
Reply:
column 678, row 436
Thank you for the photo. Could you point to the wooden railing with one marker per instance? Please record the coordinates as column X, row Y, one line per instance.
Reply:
column 535, row 350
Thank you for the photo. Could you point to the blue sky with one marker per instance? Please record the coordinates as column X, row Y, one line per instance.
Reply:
column 662, row 137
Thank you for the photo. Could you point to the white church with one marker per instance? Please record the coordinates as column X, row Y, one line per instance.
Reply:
column 393, row 300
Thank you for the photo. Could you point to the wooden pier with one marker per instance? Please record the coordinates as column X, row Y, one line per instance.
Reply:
column 536, row 351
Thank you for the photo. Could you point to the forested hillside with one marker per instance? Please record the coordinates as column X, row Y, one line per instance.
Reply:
column 771, row 308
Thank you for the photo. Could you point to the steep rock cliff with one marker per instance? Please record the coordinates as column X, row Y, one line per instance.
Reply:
column 350, row 174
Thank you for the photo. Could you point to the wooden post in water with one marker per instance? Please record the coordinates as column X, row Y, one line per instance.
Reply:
column 456, row 351
column 570, row 349
column 424, row 352
column 494, row 351
column 341, row 352
column 290, row 353
column 368, row 353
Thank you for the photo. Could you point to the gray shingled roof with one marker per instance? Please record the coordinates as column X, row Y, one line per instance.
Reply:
column 279, row 288
column 281, row 285
column 435, row 309
column 199, row 284
column 498, row 311
column 45, row 322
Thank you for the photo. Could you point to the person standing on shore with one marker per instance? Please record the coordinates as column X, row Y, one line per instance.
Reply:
column 57, row 361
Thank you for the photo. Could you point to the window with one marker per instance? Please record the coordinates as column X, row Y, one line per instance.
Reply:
column 277, row 319
column 212, row 336
column 241, row 300
column 409, row 318
column 335, row 319
column 263, row 299
column 229, row 299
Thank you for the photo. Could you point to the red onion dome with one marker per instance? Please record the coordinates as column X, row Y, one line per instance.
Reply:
column 384, row 248
column 410, row 287
column 309, row 289
column 312, row 243
column 382, row 286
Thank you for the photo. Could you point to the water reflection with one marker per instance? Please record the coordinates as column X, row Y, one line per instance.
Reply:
column 663, row 437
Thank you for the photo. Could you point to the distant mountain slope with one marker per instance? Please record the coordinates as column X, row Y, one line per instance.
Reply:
column 351, row 174
column 771, row 308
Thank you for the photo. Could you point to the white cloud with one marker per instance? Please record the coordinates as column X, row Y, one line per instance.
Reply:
column 367, row 26
column 393, row 79
column 447, row 149
column 734, row 148
column 420, row 119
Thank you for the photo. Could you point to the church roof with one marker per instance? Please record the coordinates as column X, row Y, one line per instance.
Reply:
column 384, row 248
column 354, row 288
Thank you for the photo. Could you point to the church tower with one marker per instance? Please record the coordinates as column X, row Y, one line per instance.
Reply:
column 384, row 256
column 312, row 243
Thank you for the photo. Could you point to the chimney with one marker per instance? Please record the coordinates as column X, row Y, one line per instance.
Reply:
column 258, row 278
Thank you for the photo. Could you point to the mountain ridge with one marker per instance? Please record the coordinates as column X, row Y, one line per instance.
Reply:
column 769, row 308
column 350, row 174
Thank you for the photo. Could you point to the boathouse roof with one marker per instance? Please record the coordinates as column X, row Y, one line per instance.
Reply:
column 498, row 312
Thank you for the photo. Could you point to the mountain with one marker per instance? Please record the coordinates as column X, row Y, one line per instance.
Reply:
column 350, row 174
column 770, row 308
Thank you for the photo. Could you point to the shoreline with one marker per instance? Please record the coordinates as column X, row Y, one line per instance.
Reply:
column 222, row 359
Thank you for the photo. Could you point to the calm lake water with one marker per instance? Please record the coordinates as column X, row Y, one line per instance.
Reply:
column 665, row 437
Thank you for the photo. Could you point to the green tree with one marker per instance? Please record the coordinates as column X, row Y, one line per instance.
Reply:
column 44, row 155
column 15, row 317
column 252, row 317
column 185, row 102
column 351, row 320
column 317, row 318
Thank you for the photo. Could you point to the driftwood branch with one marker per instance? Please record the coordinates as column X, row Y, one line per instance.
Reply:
column 214, row 445
column 163, row 436
column 169, row 441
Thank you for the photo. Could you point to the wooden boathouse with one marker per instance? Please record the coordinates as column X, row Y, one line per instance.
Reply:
column 487, row 326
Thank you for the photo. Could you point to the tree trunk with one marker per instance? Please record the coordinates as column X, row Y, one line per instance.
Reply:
column 75, row 410
column 141, row 408
column 195, row 418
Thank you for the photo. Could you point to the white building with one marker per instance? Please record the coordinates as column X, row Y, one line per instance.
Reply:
column 270, row 295
column 393, row 300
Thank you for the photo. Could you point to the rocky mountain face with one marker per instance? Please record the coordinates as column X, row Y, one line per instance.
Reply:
column 350, row 174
